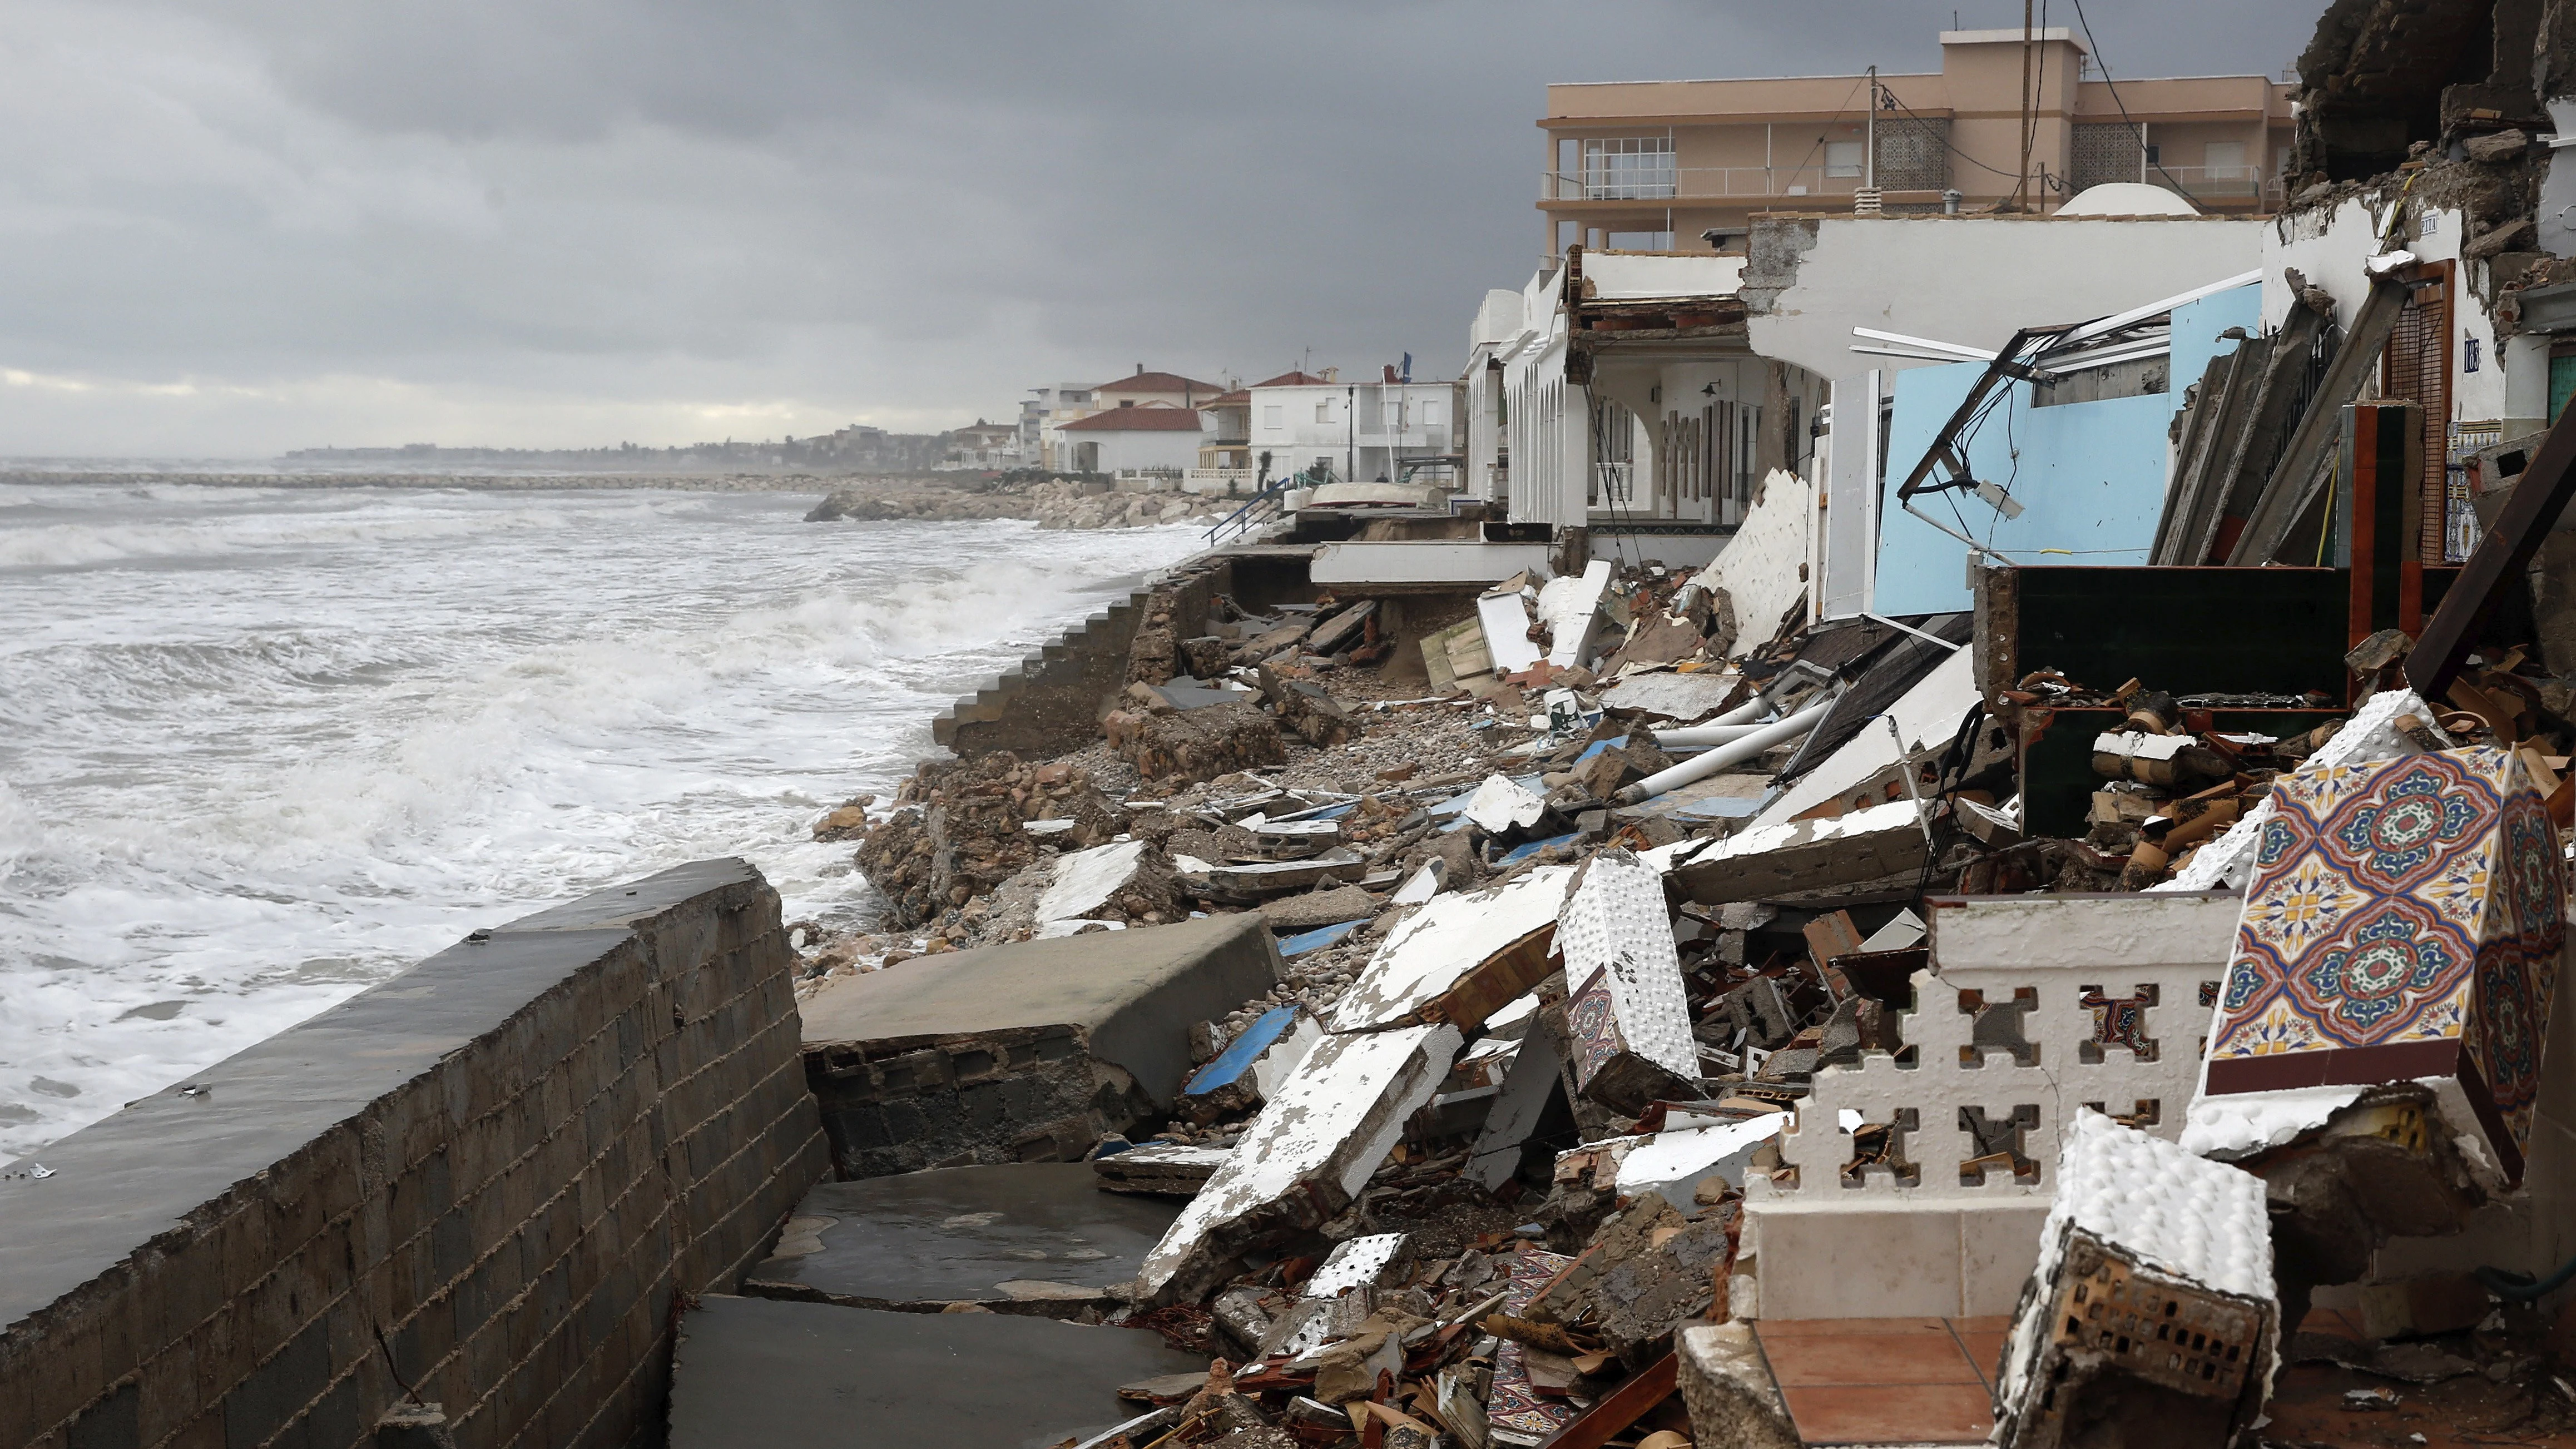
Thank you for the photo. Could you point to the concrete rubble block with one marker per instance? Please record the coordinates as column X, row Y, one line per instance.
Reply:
column 1727, row 1386
column 1628, row 1016
column 1692, row 1149
column 1189, row 746
column 1308, row 710
column 1669, row 694
column 960, row 827
column 1640, row 1301
column 1108, row 880
column 2152, row 1302
column 1307, row 1155
column 1035, row 1238
column 1279, row 877
column 1335, row 1301
column 1207, row 656
column 1026, row 1052
column 1460, row 957
column 1168, row 1169
column 1316, row 909
column 756, row 1371
column 1251, row 1067
column 1882, row 843
column 2404, row 924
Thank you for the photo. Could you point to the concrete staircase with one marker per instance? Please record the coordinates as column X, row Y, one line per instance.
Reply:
column 1050, row 703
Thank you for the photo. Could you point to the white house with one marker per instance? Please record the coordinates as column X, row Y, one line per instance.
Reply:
column 1356, row 432
column 1148, row 438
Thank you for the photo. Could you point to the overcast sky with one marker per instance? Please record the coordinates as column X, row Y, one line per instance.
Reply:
column 229, row 229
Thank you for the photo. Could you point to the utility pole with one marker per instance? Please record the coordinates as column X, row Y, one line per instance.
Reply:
column 1350, row 434
column 2029, row 114
column 1869, row 148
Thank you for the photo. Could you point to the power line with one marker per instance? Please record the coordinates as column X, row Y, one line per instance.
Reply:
column 2114, row 87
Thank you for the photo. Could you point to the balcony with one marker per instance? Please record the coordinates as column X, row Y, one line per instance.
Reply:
column 1690, row 183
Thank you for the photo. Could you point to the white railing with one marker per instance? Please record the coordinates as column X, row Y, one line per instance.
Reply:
column 1219, row 480
column 1614, row 485
column 2217, row 183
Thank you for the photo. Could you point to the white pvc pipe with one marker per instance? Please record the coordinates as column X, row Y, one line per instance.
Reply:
column 1735, row 752
column 1734, row 724
column 1707, row 734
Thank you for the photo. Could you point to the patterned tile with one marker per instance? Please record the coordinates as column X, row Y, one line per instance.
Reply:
column 2404, row 921
column 1514, row 1411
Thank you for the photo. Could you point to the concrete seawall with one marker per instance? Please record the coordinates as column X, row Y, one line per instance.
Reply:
column 484, row 1184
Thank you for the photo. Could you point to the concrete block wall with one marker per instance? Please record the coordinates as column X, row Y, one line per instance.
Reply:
column 1052, row 703
column 486, row 1183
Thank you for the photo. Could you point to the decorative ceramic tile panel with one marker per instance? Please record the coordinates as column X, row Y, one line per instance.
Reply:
column 1514, row 1410
column 2404, row 921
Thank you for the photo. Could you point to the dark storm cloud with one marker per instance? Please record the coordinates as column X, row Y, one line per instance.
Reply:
column 231, row 228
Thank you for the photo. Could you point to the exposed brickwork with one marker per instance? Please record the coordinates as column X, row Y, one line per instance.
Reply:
column 488, row 1179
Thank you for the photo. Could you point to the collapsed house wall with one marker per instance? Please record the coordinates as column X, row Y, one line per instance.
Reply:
column 484, row 1184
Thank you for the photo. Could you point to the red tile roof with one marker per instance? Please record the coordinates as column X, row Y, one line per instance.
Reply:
column 1159, row 382
column 1295, row 379
column 1235, row 399
column 1137, row 420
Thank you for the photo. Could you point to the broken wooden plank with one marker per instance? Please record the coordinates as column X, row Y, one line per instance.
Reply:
column 2498, row 565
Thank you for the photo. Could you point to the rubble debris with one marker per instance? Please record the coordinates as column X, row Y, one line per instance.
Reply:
column 1327, row 907
column 1866, row 847
column 1200, row 744
column 1033, row 1238
column 957, row 831
column 1130, row 877
column 1728, row 1387
column 1028, row 1052
column 2153, row 1298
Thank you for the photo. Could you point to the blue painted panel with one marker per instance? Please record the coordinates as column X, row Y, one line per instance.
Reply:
column 2196, row 326
column 1519, row 853
column 2089, row 476
column 1318, row 938
column 1240, row 1053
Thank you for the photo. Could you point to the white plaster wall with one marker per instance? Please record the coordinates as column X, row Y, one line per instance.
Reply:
column 1759, row 567
column 1973, row 280
column 2329, row 249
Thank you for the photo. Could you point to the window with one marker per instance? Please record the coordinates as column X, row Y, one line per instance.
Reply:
column 1273, row 416
column 2155, row 154
column 1628, row 168
column 1324, row 410
column 1843, row 158
column 1395, row 415
column 1430, row 411
column 2224, row 160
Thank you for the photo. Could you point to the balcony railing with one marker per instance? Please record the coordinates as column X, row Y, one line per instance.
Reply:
column 1614, row 485
column 1711, row 183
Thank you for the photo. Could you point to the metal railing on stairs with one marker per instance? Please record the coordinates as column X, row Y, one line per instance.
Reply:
column 1257, row 510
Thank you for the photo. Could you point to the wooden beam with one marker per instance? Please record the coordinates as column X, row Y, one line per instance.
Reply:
column 1621, row 1408
column 2498, row 564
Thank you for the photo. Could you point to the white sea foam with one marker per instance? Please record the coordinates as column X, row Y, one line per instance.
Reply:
column 259, row 748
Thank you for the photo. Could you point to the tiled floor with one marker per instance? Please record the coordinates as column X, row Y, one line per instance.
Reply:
column 1886, row 1380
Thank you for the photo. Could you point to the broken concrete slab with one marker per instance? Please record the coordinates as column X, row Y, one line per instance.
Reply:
column 1669, row 694
column 2153, row 1292
column 1319, row 908
column 1027, row 1052
column 1088, row 881
column 1628, row 1017
column 1884, row 843
column 1570, row 608
column 1459, row 956
column 1034, row 1237
column 1529, row 1084
column 1727, row 1386
column 1200, row 744
column 1691, row 1150
column 1278, row 877
column 758, row 1371
column 1306, row 1156
column 1163, row 1169
column 1243, row 1076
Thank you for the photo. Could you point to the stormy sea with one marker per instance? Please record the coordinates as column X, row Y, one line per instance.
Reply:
column 260, row 748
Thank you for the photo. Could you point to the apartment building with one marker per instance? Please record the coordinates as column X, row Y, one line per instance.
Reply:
column 1657, row 165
